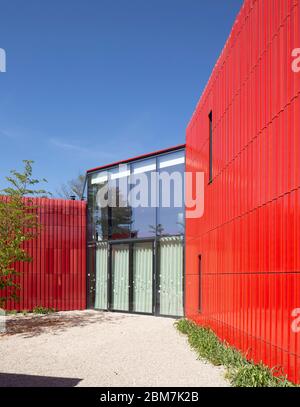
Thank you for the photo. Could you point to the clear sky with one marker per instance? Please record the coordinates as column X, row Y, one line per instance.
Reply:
column 89, row 82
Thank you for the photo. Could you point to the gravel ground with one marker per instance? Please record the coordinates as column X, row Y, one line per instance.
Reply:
column 90, row 348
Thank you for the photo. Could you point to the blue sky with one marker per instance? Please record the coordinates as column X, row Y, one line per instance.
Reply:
column 89, row 82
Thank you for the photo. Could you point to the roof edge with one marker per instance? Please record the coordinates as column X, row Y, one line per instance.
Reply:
column 139, row 157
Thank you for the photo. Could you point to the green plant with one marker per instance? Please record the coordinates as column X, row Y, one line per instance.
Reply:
column 252, row 375
column 11, row 312
column 18, row 224
column 240, row 371
column 24, row 312
column 43, row 310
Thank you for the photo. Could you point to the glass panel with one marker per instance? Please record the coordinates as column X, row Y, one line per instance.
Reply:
column 171, row 159
column 122, row 221
column 120, row 212
column 171, row 194
column 91, row 204
column 101, row 276
column 143, row 215
column 120, row 277
column 142, row 277
column 97, row 216
column 171, row 276
column 91, row 275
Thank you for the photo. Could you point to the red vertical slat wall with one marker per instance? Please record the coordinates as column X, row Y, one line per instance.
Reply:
column 249, row 236
column 56, row 277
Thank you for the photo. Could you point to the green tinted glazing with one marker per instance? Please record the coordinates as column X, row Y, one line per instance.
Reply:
column 101, row 276
column 171, row 279
column 120, row 277
column 142, row 277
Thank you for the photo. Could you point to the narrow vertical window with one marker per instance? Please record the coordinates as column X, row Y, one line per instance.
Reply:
column 200, row 283
column 210, row 118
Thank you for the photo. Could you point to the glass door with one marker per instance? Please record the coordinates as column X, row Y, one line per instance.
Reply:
column 119, row 288
column 171, row 276
column 131, row 277
column 101, row 276
column 142, row 280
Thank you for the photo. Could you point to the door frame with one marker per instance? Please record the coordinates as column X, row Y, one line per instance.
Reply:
column 130, row 243
column 91, row 275
column 158, row 254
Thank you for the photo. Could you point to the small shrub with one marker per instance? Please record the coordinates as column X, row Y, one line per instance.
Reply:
column 240, row 371
column 43, row 310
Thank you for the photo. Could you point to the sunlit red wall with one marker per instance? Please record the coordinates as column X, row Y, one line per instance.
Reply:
column 56, row 277
column 249, row 236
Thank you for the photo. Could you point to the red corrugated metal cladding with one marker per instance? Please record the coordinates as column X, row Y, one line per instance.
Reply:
column 57, row 275
column 249, row 236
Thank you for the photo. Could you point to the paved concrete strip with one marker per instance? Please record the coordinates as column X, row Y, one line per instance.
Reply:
column 91, row 348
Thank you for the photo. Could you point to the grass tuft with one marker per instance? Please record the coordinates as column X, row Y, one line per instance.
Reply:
column 11, row 312
column 43, row 310
column 240, row 371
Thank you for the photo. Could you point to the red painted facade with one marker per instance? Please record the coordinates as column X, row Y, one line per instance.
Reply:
column 248, row 282
column 56, row 277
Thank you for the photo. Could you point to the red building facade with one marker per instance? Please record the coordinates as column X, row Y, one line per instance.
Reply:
column 243, row 255
column 56, row 277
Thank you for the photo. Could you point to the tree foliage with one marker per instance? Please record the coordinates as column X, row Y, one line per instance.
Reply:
column 18, row 223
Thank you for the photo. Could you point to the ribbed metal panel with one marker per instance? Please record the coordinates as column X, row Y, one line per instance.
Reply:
column 101, row 276
column 142, row 277
column 171, row 278
column 57, row 275
column 249, row 235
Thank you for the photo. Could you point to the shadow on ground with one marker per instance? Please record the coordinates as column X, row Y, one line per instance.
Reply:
column 29, row 326
column 24, row 380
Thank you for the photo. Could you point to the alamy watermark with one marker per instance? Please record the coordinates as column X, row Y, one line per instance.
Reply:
column 2, row 60
column 296, row 60
column 151, row 189
column 296, row 321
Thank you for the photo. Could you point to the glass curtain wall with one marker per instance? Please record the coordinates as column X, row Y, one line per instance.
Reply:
column 138, row 236
column 170, row 229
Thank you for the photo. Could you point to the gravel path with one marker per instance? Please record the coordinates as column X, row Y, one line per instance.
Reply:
column 90, row 348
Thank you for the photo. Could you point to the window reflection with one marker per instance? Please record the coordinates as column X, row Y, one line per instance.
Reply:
column 144, row 215
column 122, row 218
column 171, row 217
column 120, row 213
column 97, row 216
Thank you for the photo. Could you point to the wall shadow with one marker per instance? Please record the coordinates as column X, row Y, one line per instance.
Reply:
column 33, row 325
column 23, row 380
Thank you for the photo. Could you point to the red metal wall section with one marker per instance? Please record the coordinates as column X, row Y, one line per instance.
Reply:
column 57, row 275
column 249, row 236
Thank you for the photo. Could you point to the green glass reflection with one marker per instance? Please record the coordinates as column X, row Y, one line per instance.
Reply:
column 120, row 277
column 142, row 277
column 171, row 276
